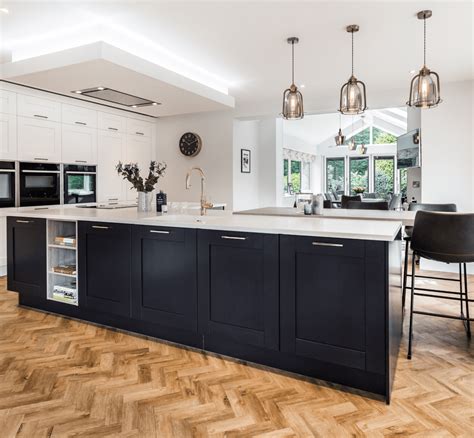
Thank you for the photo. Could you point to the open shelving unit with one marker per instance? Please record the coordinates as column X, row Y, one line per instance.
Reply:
column 62, row 286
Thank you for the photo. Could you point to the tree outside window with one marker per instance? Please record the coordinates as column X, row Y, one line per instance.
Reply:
column 384, row 173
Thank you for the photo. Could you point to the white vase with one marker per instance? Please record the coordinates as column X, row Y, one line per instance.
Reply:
column 144, row 201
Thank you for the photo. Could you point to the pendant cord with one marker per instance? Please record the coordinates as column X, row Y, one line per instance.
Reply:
column 292, row 62
column 352, row 53
column 424, row 42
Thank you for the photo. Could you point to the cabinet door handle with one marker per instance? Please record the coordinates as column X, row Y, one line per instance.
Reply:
column 100, row 227
column 81, row 123
column 336, row 245
column 233, row 238
column 113, row 199
column 80, row 161
column 19, row 221
column 41, row 208
column 112, row 129
column 139, row 133
column 159, row 232
column 41, row 159
column 40, row 116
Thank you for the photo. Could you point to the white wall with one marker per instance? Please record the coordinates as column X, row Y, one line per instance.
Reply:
column 246, row 185
column 448, row 153
column 215, row 158
column 447, row 148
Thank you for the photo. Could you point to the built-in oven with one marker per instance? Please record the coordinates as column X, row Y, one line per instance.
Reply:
column 7, row 184
column 39, row 184
column 79, row 184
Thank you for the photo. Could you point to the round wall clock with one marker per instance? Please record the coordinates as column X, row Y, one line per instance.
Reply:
column 190, row 144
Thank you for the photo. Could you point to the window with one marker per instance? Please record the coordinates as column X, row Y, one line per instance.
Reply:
column 403, row 182
column 384, row 176
column 335, row 175
column 358, row 175
column 296, row 176
column 372, row 135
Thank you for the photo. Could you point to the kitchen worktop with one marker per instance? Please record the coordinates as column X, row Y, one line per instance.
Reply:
column 226, row 221
column 405, row 217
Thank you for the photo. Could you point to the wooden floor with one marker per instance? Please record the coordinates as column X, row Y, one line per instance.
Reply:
column 60, row 377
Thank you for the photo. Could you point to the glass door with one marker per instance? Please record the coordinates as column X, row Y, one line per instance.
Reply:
column 358, row 175
column 384, row 176
column 335, row 181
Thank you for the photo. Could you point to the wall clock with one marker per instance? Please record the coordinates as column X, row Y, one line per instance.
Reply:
column 190, row 144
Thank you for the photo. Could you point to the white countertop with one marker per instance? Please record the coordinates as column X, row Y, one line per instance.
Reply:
column 406, row 217
column 226, row 221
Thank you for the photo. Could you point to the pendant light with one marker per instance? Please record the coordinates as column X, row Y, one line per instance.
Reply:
column 292, row 98
column 339, row 137
column 424, row 87
column 353, row 96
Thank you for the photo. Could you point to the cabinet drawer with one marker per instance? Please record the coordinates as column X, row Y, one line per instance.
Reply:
column 38, row 108
column 329, row 246
column 7, row 102
column 112, row 122
column 76, row 115
column 139, row 127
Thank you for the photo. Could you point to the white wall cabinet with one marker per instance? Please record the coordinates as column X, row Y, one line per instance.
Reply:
column 7, row 102
column 77, row 115
column 8, row 144
column 139, row 127
column 79, row 144
column 38, row 140
column 112, row 122
column 110, row 150
column 38, row 108
column 138, row 150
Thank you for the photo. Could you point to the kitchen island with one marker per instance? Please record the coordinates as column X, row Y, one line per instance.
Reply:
column 319, row 298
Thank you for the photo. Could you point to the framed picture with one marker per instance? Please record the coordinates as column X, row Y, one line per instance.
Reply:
column 244, row 161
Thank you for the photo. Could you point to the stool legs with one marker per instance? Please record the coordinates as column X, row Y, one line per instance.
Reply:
column 411, row 304
column 405, row 274
column 467, row 321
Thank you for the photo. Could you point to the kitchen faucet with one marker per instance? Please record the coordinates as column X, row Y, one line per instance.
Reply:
column 204, row 205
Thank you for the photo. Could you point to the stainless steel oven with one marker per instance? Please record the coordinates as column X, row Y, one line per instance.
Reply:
column 39, row 184
column 79, row 184
column 7, row 184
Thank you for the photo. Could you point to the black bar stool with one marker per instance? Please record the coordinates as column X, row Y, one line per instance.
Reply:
column 448, row 238
column 415, row 206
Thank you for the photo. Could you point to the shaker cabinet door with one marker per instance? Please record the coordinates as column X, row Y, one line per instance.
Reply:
column 328, row 301
column 164, row 281
column 238, row 287
column 105, row 267
column 26, row 255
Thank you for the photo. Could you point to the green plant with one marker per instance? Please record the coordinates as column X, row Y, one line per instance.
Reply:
column 131, row 172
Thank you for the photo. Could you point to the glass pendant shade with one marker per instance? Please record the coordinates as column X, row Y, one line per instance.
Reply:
column 339, row 138
column 292, row 104
column 353, row 97
column 292, row 97
column 424, row 87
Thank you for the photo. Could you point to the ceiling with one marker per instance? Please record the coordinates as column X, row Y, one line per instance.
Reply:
column 240, row 47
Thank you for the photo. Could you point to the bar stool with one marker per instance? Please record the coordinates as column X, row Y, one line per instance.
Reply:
column 448, row 238
column 415, row 206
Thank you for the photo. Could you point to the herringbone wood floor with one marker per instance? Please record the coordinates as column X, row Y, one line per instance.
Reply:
column 65, row 378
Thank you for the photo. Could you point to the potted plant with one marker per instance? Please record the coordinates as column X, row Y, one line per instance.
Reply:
column 144, row 187
column 359, row 190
